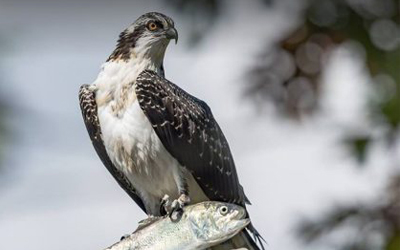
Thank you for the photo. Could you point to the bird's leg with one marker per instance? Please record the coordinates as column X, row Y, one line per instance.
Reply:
column 177, row 206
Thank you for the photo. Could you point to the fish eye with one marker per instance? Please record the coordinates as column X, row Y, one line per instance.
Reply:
column 223, row 210
column 152, row 26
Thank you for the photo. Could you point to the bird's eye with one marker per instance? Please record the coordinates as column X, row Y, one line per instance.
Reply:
column 223, row 210
column 152, row 26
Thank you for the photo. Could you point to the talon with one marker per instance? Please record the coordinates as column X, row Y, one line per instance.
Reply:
column 165, row 205
column 185, row 199
column 177, row 207
column 176, row 214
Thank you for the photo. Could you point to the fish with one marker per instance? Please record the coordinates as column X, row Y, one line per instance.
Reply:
column 201, row 226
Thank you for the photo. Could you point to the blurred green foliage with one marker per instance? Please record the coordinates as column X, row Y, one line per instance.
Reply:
column 372, row 24
column 374, row 27
column 289, row 74
column 200, row 14
column 358, row 145
column 394, row 242
column 377, row 219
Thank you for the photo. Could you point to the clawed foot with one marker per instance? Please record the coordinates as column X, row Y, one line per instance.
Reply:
column 174, row 209
column 165, row 205
column 177, row 207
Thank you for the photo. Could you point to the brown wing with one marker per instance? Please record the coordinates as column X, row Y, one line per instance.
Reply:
column 188, row 130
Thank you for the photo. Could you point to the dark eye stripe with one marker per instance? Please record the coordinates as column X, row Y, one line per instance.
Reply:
column 159, row 24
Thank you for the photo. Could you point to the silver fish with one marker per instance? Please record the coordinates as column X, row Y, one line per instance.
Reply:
column 201, row 226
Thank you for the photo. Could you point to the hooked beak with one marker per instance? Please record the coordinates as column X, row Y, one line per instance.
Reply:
column 172, row 33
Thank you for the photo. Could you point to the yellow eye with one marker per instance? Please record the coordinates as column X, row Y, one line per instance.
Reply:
column 152, row 26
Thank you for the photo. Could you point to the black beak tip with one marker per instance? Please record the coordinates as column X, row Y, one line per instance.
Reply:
column 172, row 33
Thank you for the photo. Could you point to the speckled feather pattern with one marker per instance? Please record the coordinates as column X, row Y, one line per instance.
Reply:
column 190, row 133
column 151, row 135
column 87, row 101
column 129, row 139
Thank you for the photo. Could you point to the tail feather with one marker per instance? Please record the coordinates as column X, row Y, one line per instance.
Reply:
column 257, row 236
column 243, row 240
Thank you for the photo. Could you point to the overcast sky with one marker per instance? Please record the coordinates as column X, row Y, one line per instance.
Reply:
column 57, row 194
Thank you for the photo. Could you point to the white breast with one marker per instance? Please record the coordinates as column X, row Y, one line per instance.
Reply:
column 130, row 141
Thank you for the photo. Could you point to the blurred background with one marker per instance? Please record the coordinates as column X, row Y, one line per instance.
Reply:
column 307, row 93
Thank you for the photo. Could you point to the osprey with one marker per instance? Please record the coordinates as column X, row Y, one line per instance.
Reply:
column 158, row 141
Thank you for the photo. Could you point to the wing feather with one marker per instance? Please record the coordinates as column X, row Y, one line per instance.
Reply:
column 189, row 132
column 87, row 101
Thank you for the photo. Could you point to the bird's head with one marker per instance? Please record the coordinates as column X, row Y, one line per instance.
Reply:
column 147, row 38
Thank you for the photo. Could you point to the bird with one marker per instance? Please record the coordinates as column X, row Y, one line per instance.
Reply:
column 161, row 144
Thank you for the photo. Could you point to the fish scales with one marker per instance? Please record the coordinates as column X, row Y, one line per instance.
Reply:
column 201, row 226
